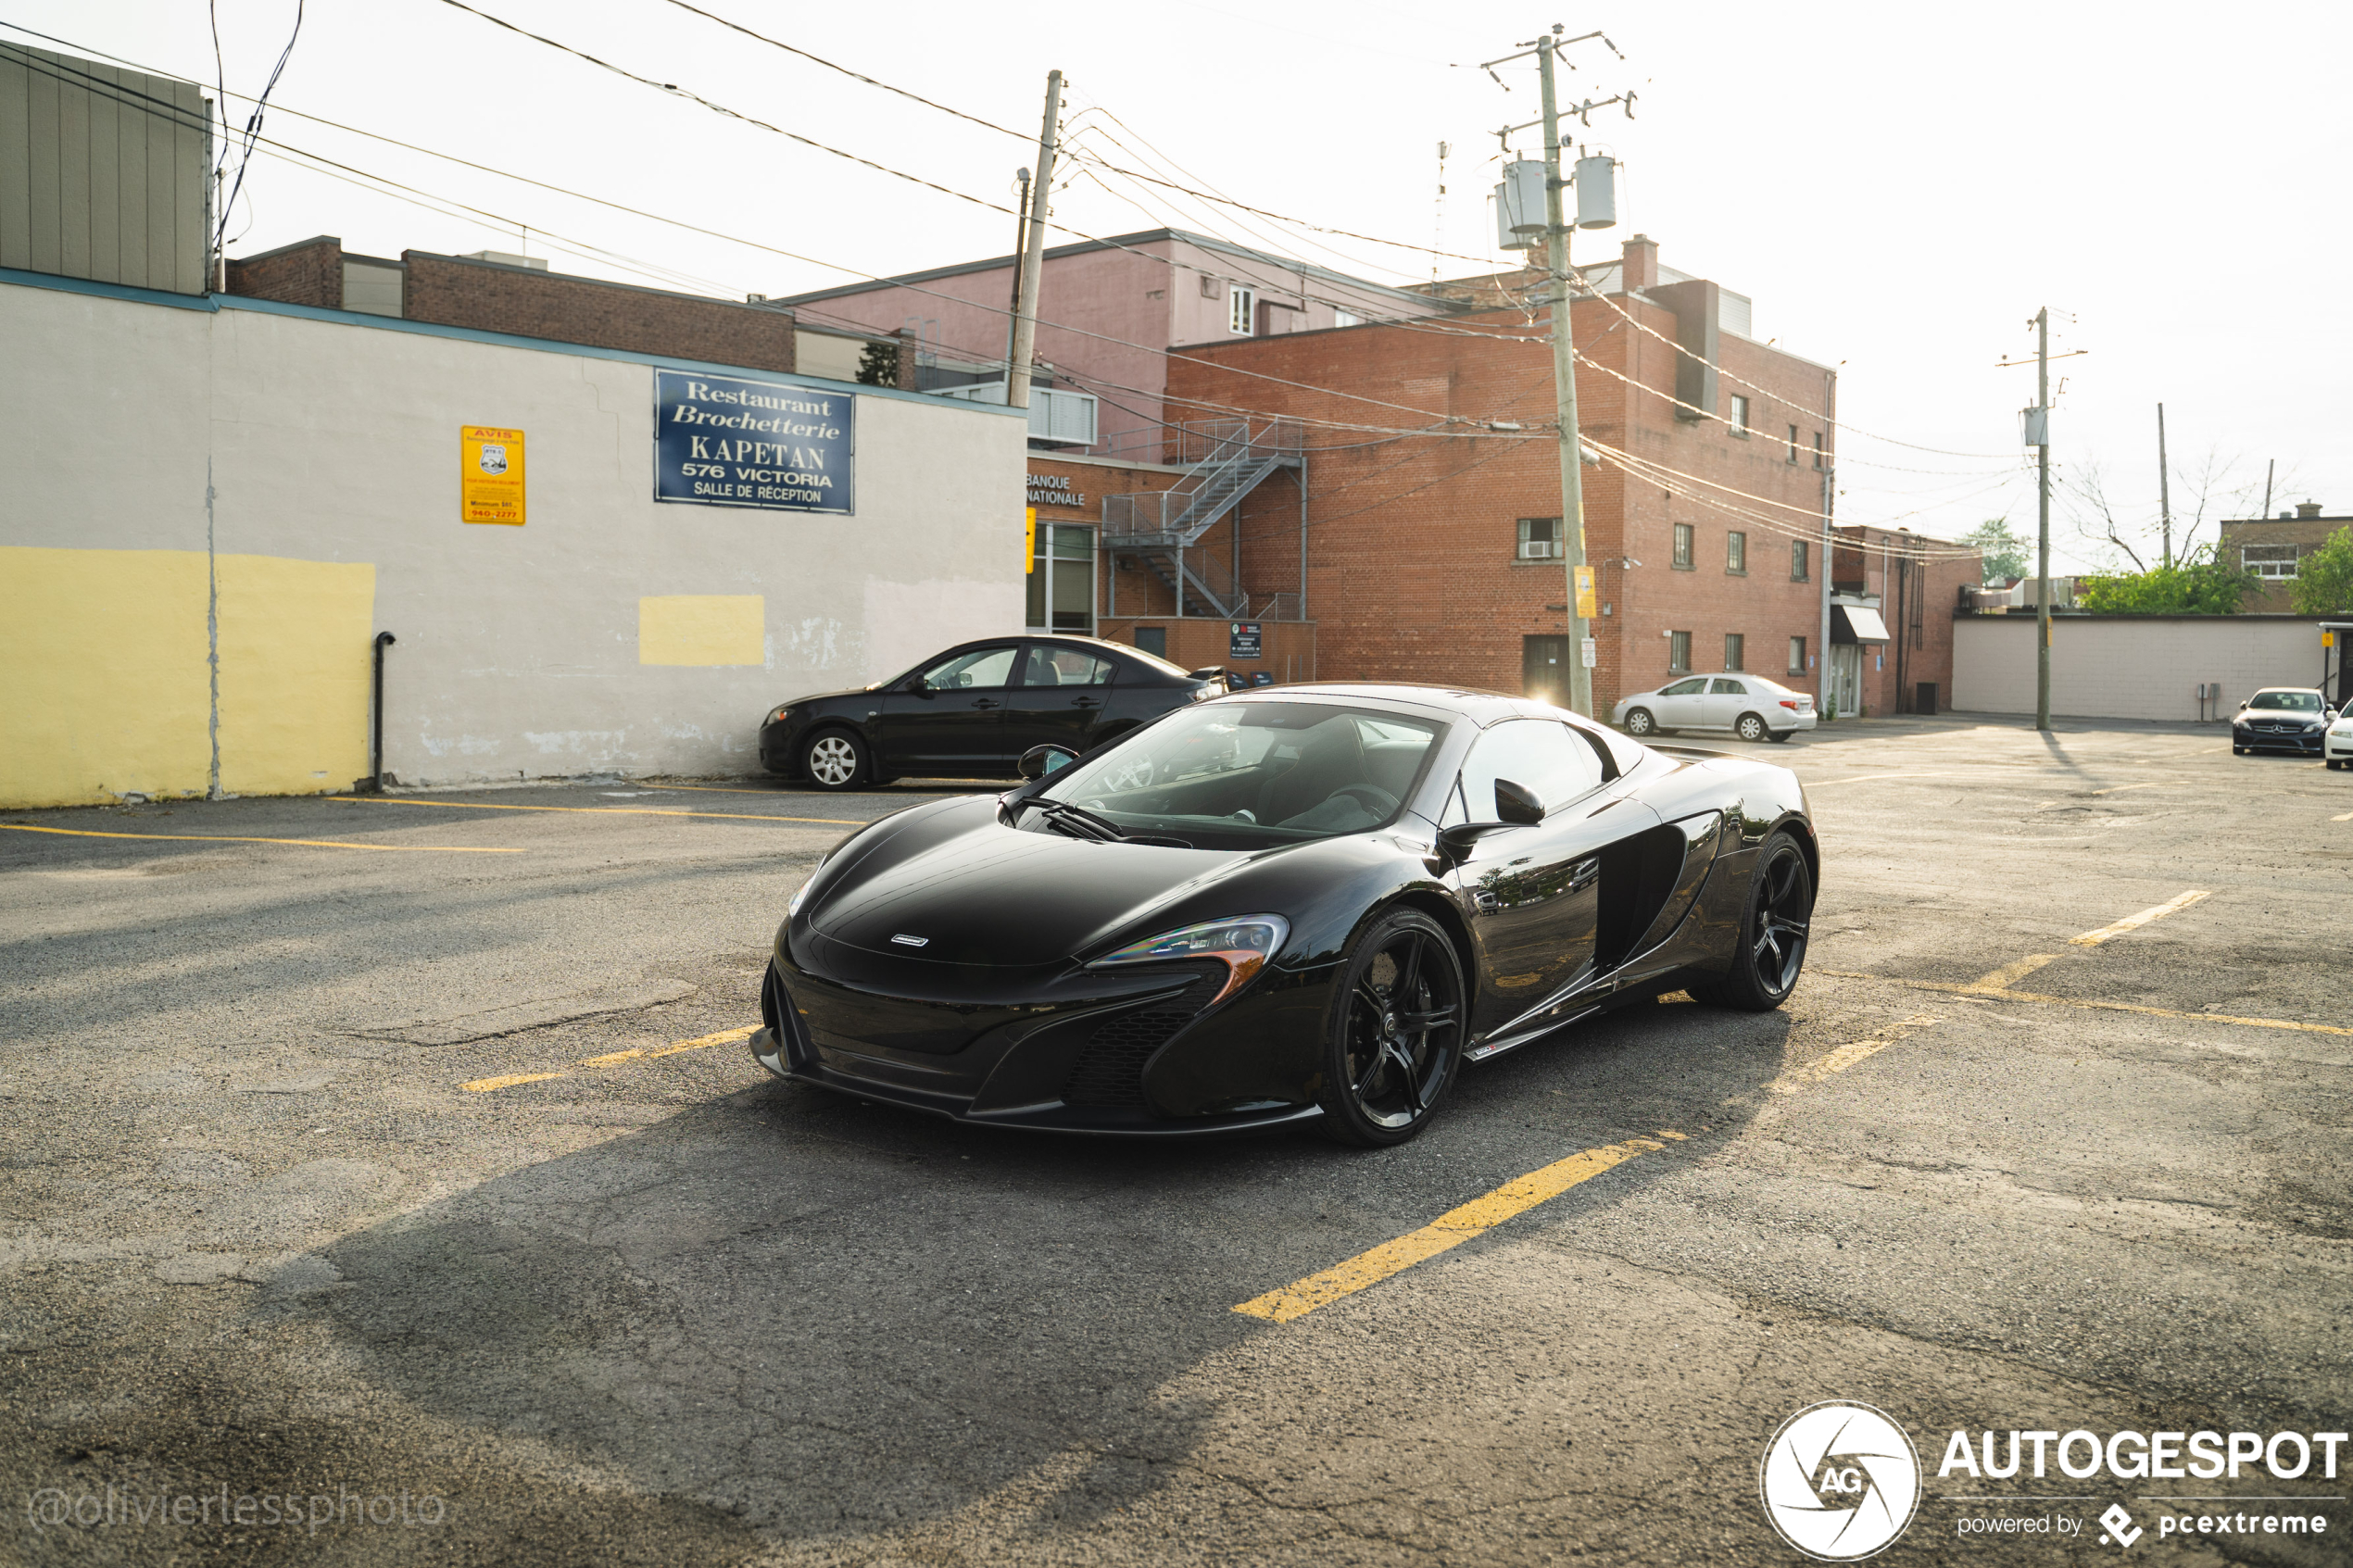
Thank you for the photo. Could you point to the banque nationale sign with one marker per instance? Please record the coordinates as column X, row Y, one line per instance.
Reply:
column 722, row 442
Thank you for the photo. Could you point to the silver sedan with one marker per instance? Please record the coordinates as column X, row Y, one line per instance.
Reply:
column 1747, row 706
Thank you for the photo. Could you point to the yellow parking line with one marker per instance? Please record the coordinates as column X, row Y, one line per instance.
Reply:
column 2134, row 923
column 1450, row 1229
column 2348, row 817
column 1977, row 990
column 599, row 811
column 310, row 843
column 2010, row 974
column 1846, row 1056
column 614, row 1058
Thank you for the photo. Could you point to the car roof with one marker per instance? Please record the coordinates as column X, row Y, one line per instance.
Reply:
column 2309, row 691
column 1482, row 707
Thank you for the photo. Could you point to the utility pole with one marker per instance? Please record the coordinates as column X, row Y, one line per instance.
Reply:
column 2043, row 530
column 2164, row 487
column 1021, row 250
column 1580, row 677
column 1033, row 252
column 2268, row 465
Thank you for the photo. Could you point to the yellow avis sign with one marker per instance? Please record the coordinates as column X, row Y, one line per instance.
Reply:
column 490, row 470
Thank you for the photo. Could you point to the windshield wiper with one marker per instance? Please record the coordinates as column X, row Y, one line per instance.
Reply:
column 1078, row 816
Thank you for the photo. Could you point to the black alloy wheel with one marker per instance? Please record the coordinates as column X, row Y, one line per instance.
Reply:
column 1640, row 722
column 1397, row 1032
column 1750, row 728
column 1773, row 934
column 835, row 760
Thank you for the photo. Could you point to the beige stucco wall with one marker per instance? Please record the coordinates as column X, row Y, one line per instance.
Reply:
column 2117, row 668
column 332, row 441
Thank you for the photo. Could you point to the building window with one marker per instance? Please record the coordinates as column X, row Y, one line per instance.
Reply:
column 1679, row 651
column 1736, row 553
column 1792, row 445
column 1740, row 415
column 1801, row 561
column 1797, row 656
column 1733, row 651
column 1346, row 318
column 1539, row 538
column 1818, row 448
column 1682, row 546
column 2274, row 563
column 1241, row 314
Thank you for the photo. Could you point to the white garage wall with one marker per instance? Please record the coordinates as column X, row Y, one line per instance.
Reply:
column 2130, row 666
column 331, row 437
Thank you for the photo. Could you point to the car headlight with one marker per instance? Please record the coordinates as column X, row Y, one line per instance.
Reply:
column 1244, row 943
column 801, row 894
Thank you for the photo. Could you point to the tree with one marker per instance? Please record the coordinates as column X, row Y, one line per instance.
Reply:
column 2218, row 486
column 2003, row 552
column 2197, row 585
column 2324, row 578
column 878, row 365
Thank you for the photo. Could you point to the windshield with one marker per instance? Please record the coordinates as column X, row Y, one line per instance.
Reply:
column 1251, row 775
column 2293, row 702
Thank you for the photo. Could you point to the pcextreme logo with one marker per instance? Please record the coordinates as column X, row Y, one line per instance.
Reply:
column 1840, row 1480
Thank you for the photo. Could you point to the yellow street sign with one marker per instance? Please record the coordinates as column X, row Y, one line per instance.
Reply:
column 1029, row 543
column 490, row 483
column 1586, row 608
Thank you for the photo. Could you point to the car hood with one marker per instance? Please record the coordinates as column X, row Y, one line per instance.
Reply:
column 977, row 892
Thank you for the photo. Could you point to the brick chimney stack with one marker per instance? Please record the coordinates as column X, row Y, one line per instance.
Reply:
column 1639, row 268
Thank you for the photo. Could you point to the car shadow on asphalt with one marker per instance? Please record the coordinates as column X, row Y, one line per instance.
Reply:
column 821, row 1316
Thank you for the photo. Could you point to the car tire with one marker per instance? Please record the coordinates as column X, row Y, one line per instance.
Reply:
column 1386, row 1066
column 2238, row 751
column 1771, row 950
column 1778, row 735
column 1639, row 723
column 1750, row 727
column 836, row 759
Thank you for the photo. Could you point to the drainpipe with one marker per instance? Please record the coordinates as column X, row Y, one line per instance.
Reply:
column 375, row 783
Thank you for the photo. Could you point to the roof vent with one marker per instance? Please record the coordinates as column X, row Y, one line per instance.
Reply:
column 2305, row 509
column 507, row 259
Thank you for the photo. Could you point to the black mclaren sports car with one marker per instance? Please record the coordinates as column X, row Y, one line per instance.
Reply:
column 1302, row 904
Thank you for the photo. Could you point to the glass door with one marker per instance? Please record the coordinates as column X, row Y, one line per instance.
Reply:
column 1061, row 580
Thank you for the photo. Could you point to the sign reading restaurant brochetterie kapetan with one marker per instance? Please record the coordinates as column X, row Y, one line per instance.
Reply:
column 722, row 442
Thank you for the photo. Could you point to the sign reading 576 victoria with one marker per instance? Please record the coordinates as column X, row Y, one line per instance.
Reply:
column 723, row 442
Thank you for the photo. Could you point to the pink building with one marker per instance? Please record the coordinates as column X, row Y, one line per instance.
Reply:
column 1108, row 309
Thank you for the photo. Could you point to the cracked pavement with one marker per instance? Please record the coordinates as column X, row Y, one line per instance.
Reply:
column 255, row 1235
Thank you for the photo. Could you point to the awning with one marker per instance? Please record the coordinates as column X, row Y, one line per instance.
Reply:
column 1856, row 623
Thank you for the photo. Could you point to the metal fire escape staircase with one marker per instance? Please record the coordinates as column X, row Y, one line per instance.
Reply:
column 1164, row 528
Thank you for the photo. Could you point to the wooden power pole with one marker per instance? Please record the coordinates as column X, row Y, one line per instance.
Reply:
column 1033, row 251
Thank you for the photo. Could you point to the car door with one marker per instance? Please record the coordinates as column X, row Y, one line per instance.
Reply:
column 1533, row 893
column 950, row 717
column 1061, row 697
column 1727, row 699
column 1682, row 705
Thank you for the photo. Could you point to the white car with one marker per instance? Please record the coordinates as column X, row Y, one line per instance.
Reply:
column 1749, row 706
column 2337, row 748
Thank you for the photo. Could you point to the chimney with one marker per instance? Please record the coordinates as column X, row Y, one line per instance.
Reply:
column 2306, row 510
column 1640, row 268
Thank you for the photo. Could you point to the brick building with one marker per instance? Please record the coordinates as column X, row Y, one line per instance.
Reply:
column 493, row 292
column 1894, row 598
column 1427, row 538
column 2271, row 547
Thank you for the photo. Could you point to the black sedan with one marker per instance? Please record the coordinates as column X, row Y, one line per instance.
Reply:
column 1307, row 904
column 971, row 711
column 2280, row 718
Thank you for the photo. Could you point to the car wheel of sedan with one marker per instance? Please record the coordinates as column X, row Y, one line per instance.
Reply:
column 1750, row 728
column 1780, row 735
column 836, row 759
column 2238, row 751
column 1772, row 941
column 1397, row 1030
column 1640, row 722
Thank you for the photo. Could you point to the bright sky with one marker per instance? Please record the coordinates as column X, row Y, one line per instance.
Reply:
column 1898, row 187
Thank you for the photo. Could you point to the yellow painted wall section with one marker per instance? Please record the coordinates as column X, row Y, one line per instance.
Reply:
column 104, row 689
column 294, row 665
column 702, row 629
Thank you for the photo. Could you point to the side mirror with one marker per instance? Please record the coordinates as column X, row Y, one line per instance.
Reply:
column 1039, row 760
column 1517, row 804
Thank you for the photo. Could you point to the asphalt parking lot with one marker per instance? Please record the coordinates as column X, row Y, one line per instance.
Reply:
column 407, row 1149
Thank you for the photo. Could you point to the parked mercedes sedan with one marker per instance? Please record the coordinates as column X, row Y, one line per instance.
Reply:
column 971, row 711
column 1748, row 706
column 2280, row 718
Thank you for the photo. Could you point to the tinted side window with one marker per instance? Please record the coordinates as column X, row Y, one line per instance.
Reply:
column 1729, row 688
column 980, row 667
column 1049, row 666
column 1537, row 753
column 1692, row 687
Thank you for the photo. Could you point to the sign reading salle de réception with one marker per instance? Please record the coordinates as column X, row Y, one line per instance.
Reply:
column 720, row 441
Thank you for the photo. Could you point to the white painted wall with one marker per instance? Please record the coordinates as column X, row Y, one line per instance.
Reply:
column 336, row 440
column 2105, row 666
